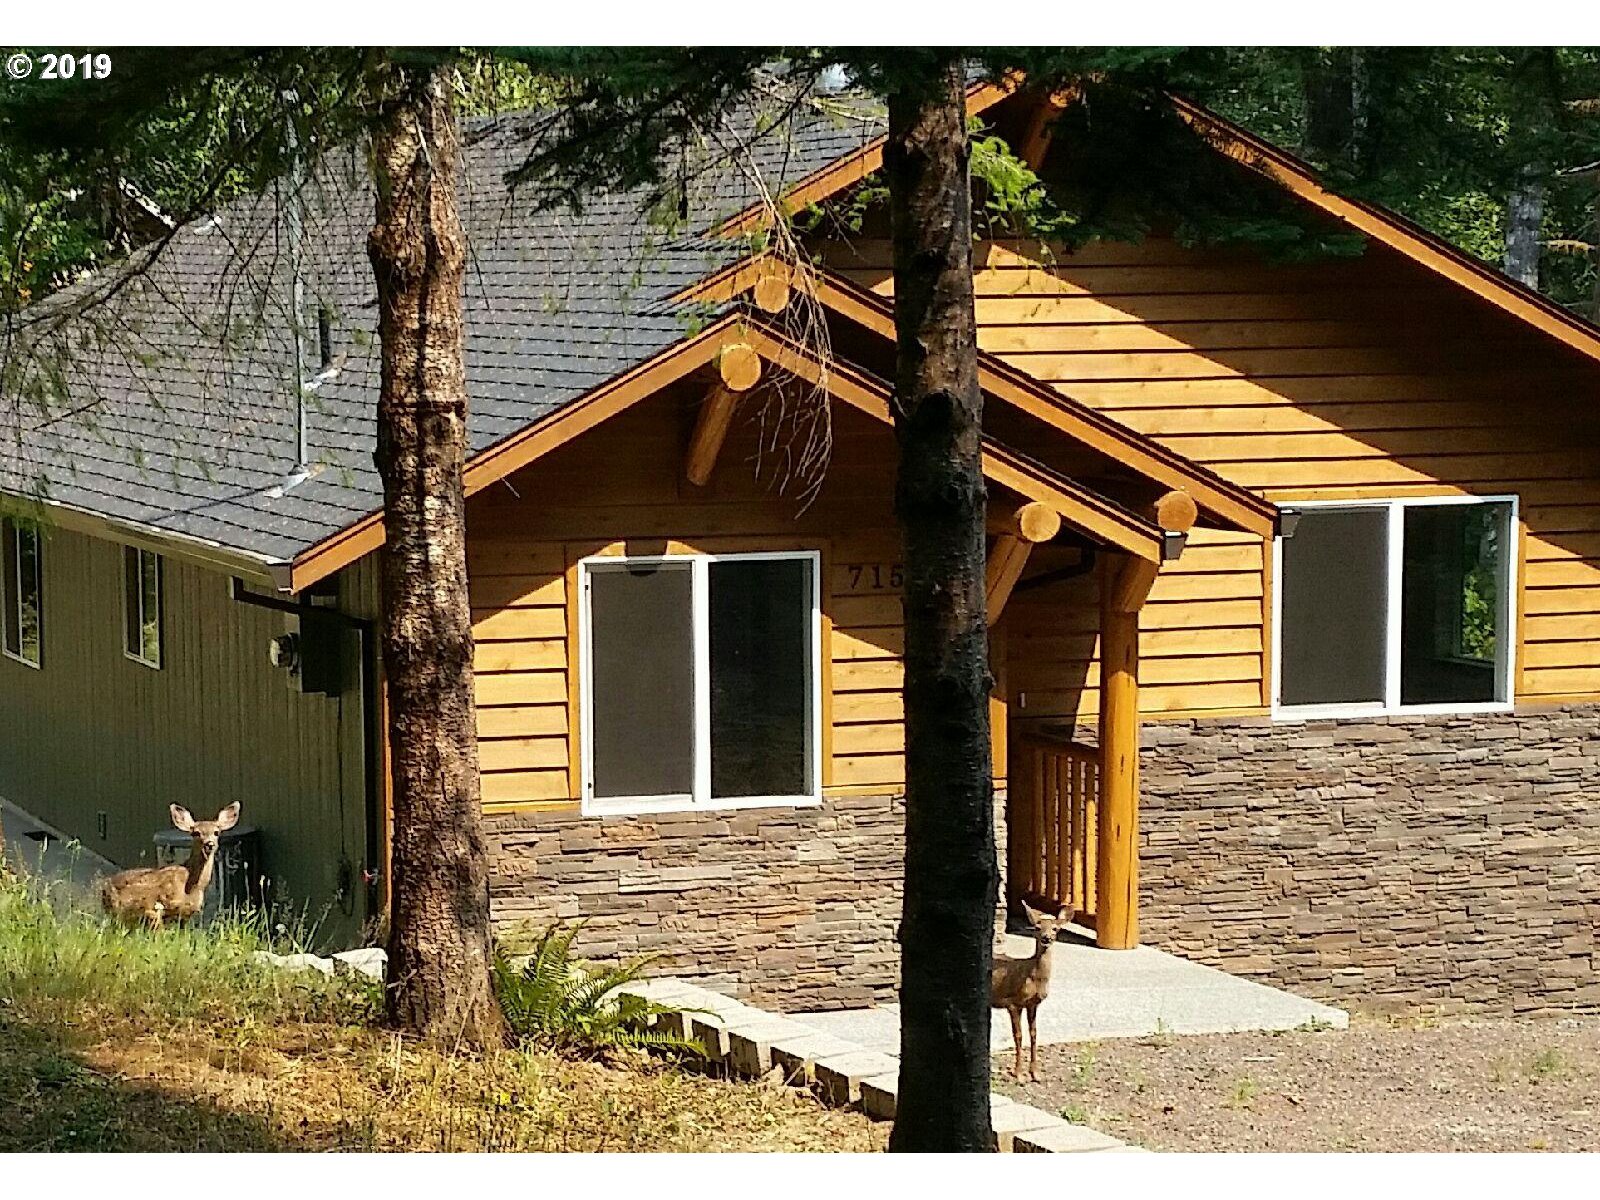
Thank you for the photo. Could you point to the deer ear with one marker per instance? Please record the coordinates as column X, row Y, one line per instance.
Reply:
column 228, row 817
column 182, row 819
column 1034, row 915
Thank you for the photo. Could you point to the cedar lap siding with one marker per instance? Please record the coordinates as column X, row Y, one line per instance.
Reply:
column 1452, row 860
column 795, row 904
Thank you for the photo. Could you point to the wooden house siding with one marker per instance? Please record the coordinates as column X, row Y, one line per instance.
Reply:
column 93, row 731
column 622, row 485
column 1347, row 378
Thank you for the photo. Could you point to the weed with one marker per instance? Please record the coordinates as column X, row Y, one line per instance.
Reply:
column 1547, row 1064
column 123, row 1040
column 1243, row 1093
column 1082, row 1070
column 1075, row 1114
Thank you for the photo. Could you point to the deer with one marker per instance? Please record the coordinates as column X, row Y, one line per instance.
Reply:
column 1020, row 985
column 153, row 895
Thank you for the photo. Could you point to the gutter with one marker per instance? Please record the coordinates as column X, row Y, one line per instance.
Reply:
column 259, row 568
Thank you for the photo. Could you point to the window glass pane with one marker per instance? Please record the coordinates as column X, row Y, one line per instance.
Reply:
column 1452, row 603
column 8, row 587
column 1334, row 608
column 130, row 599
column 641, row 656
column 150, row 607
column 28, row 587
column 761, row 677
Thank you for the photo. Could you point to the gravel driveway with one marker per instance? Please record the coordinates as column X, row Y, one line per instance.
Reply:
column 1381, row 1085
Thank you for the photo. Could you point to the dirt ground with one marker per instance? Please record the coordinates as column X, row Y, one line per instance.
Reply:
column 1381, row 1085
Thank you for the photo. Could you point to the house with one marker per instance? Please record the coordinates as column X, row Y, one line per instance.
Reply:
column 1294, row 587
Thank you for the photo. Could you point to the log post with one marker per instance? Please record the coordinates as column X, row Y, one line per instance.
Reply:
column 1124, row 586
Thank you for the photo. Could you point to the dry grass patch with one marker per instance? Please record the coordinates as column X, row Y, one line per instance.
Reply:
column 117, row 1040
column 307, row 1086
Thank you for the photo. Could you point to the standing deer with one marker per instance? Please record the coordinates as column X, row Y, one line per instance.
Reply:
column 1020, row 985
column 154, row 894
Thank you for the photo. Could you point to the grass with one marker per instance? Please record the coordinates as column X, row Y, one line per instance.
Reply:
column 123, row 1040
column 1243, row 1093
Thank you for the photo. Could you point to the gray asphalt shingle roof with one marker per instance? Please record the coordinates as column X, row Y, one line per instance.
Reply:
column 171, row 406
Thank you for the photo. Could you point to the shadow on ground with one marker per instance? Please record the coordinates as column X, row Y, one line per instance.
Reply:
column 54, row 1100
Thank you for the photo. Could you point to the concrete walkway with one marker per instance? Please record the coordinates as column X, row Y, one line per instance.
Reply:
column 753, row 1043
column 1098, row 994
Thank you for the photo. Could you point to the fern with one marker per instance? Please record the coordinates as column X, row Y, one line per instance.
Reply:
column 552, row 999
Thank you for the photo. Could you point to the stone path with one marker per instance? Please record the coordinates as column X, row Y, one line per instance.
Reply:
column 1097, row 994
column 750, row 1042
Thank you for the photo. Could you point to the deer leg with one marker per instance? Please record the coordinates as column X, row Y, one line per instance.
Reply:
column 1016, row 1043
column 1033, row 1042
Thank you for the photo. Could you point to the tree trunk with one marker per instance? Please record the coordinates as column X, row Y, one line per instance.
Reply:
column 1524, row 218
column 440, row 984
column 1329, row 91
column 951, row 875
column 1535, row 118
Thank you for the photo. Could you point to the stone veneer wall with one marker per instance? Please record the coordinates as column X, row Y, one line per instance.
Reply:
column 1449, row 861
column 793, row 907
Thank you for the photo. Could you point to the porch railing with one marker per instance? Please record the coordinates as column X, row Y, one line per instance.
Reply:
column 1054, row 790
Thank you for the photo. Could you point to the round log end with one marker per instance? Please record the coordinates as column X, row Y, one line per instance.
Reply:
column 739, row 366
column 771, row 293
column 1038, row 522
column 1177, row 511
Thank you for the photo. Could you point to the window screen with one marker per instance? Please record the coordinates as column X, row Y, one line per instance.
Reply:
column 1334, row 608
column 760, row 626
column 642, row 679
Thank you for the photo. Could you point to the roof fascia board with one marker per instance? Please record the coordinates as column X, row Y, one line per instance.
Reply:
column 1236, row 505
column 502, row 459
column 1080, row 506
column 1392, row 230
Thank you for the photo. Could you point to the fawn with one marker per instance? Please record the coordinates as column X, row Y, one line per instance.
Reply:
column 154, row 894
column 1019, row 985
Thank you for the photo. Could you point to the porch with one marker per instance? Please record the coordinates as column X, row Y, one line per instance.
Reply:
column 1096, row 995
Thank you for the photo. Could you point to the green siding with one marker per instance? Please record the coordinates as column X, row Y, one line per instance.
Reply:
column 94, row 731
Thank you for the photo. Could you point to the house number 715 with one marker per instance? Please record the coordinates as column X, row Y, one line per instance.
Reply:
column 874, row 577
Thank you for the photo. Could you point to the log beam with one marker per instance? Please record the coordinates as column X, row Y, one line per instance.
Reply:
column 739, row 369
column 1018, row 533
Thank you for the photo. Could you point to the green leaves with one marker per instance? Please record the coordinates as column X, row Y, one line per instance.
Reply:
column 552, row 999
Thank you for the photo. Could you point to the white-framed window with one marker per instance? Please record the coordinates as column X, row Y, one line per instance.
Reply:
column 1395, row 606
column 22, row 592
column 141, row 606
column 700, row 681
